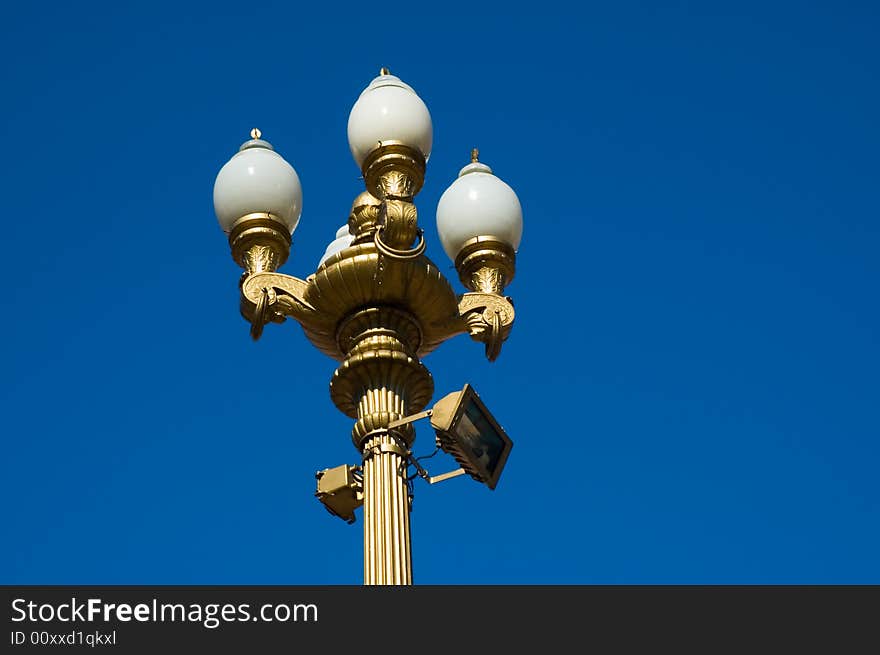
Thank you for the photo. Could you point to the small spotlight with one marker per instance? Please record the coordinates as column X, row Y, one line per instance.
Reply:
column 340, row 489
column 468, row 431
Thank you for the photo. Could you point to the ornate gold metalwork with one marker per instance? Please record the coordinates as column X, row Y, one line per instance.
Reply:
column 360, row 277
column 394, row 171
column 256, row 134
column 398, row 223
column 261, row 314
column 364, row 217
column 489, row 319
column 377, row 307
column 379, row 321
column 380, row 345
column 260, row 258
column 259, row 242
column 486, row 264
column 271, row 297
column 394, row 253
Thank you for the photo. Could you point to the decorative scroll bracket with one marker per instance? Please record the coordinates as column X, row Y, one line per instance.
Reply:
column 488, row 318
column 273, row 297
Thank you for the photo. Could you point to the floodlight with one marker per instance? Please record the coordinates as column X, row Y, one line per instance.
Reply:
column 468, row 431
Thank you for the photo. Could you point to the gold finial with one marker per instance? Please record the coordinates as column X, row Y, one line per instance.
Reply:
column 384, row 71
column 475, row 156
column 255, row 133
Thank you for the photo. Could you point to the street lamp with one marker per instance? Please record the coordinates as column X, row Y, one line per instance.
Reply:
column 377, row 304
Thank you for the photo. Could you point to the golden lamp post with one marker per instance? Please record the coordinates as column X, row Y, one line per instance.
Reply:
column 378, row 305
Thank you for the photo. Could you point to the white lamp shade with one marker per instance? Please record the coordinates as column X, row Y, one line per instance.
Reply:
column 257, row 179
column 343, row 240
column 478, row 204
column 388, row 110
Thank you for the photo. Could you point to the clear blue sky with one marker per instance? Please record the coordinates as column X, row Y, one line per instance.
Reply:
column 691, row 385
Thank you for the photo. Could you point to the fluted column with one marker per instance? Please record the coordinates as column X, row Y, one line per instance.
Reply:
column 387, row 545
column 380, row 381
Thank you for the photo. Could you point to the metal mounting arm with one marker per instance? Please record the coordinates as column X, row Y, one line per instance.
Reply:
column 269, row 297
column 445, row 476
column 273, row 297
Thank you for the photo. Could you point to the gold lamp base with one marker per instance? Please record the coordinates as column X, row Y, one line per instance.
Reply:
column 394, row 171
column 486, row 264
column 260, row 242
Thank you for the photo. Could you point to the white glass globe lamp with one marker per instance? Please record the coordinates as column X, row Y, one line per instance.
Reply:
column 478, row 204
column 388, row 110
column 257, row 180
column 343, row 240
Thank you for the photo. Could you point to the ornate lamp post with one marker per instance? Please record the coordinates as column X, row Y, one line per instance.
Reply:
column 376, row 303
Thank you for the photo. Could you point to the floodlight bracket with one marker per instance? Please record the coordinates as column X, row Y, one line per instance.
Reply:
column 451, row 415
column 393, row 447
column 445, row 476
column 406, row 420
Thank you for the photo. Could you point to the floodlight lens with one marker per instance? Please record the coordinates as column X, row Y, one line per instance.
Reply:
column 481, row 437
